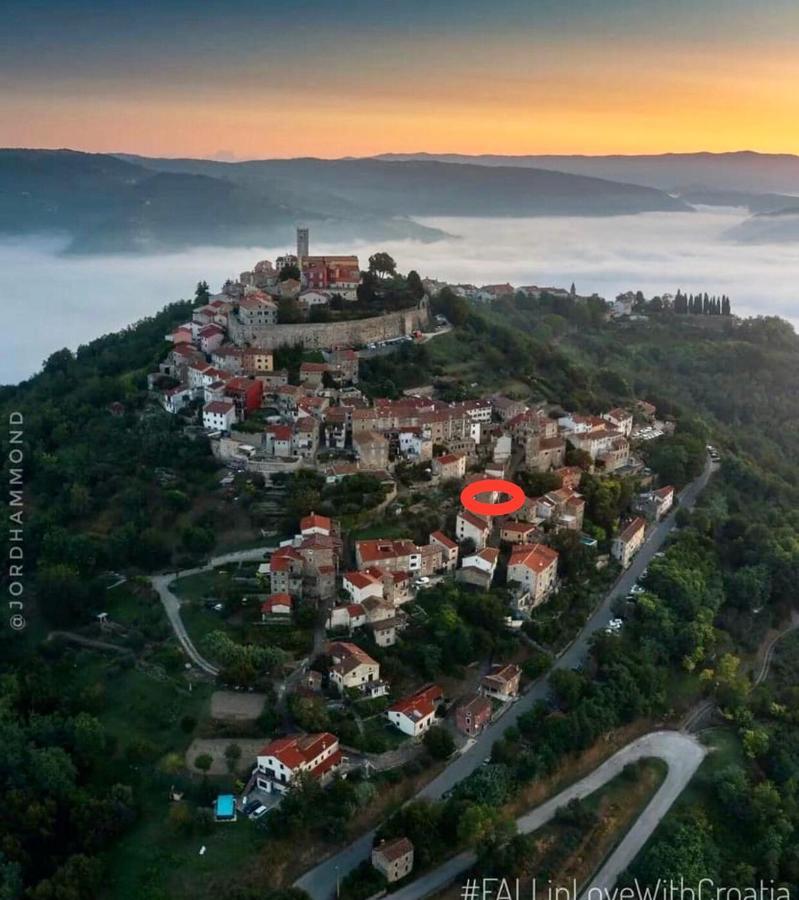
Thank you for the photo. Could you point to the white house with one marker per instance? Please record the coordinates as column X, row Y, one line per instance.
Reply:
column 629, row 541
column 535, row 568
column 282, row 760
column 176, row 398
column 220, row 415
column 469, row 525
column 363, row 585
column 414, row 714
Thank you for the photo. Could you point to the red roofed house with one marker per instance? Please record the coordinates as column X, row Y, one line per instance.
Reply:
column 278, row 440
column 663, row 500
column 339, row 274
column 352, row 667
column 502, row 682
column 518, row 532
column 285, row 571
column 282, row 760
column 388, row 555
column 415, row 713
column 182, row 335
column 535, row 567
column 449, row 547
column 246, row 394
column 211, row 336
column 276, row 605
column 621, row 420
column 626, row 544
column 451, row 465
column 348, row 615
column 478, row 569
column 362, row 585
column 312, row 373
column 469, row 525
column 219, row 415
column 344, row 364
column 314, row 524
column 473, row 714
column 394, row 858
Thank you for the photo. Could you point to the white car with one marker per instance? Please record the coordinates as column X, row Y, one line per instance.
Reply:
column 423, row 579
column 257, row 813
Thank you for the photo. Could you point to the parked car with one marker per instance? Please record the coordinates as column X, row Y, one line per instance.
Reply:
column 260, row 811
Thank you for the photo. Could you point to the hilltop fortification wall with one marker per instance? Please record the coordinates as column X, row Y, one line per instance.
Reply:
column 318, row 335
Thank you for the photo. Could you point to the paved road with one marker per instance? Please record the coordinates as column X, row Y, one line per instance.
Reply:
column 681, row 753
column 171, row 601
column 320, row 882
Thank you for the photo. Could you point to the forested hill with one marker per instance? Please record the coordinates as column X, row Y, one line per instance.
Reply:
column 113, row 484
column 106, row 204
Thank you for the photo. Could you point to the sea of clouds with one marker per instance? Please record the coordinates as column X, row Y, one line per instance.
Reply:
column 50, row 301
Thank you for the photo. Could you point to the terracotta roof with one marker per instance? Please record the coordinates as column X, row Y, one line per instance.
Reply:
column 280, row 432
column 376, row 550
column 666, row 491
column 315, row 521
column 474, row 520
column 519, row 527
column 632, row 529
column 347, row 656
column 219, row 407
column 476, row 704
column 274, row 600
column 297, row 749
column 440, row 538
column 448, row 459
column 391, row 851
column 361, row 580
column 420, row 704
column 503, row 673
column 536, row 557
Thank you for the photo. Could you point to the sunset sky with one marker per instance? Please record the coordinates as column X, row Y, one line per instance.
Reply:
column 245, row 79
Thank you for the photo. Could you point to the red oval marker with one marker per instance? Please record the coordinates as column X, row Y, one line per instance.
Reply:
column 501, row 486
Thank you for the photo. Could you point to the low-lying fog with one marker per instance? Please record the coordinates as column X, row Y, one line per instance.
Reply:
column 51, row 301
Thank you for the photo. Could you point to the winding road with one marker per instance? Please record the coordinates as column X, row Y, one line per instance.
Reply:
column 171, row 602
column 681, row 753
column 320, row 881
column 768, row 656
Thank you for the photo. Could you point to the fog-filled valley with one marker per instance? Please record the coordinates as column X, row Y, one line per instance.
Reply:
column 52, row 300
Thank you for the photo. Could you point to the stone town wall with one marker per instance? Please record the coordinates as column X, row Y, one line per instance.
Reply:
column 322, row 335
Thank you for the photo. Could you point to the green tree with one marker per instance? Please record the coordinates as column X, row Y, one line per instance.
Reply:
column 290, row 271
column 382, row 265
column 203, row 762
column 232, row 756
column 439, row 743
column 202, row 293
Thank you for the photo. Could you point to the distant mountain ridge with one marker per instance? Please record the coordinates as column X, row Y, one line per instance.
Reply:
column 743, row 170
column 122, row 203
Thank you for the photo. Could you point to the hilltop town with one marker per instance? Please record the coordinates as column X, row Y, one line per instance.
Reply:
column 360, row 590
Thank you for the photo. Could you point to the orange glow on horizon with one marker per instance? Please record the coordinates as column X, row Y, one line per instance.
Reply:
column 634, row 102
